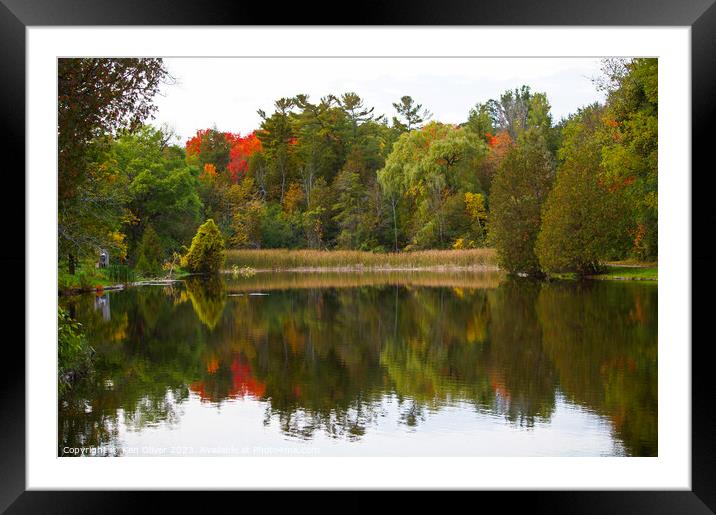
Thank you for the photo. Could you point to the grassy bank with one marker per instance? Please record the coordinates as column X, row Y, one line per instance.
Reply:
column 279, row 259
column 629, row 273
column 88, row 278
column 620, row 271
column 85, row 278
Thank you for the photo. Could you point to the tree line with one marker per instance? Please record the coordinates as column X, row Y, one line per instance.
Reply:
column 333, row 174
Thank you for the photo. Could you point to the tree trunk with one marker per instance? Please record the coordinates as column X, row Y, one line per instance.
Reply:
column 395, row 223
column 71, row 264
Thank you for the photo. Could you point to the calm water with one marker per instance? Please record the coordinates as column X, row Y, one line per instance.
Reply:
column 370, row 364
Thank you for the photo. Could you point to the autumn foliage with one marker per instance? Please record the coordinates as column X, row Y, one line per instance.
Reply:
column 242, row 384
column 241, row 148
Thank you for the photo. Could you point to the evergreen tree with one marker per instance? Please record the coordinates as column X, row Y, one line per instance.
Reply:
column 206, row 254
column 410, row 115
column 519, row 189
column 583, row 221
column 149, row 259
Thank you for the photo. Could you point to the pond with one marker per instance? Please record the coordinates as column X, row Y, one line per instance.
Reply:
column 369, row 364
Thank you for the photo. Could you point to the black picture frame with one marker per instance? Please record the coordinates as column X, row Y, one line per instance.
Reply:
column 700, row 15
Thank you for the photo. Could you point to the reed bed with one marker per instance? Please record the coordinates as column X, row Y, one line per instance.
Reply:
column 349, row 260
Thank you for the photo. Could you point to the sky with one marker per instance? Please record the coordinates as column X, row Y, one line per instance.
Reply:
column 227, row 92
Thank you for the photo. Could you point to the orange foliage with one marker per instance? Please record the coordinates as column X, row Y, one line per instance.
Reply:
column 193, row 146
column 209, row 172
column 500, row 142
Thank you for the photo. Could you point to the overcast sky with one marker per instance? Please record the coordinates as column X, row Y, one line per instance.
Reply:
column 227, row 92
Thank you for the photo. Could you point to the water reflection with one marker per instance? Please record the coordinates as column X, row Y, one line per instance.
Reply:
column 329, row 355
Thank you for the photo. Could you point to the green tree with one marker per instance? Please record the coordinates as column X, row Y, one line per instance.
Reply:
column 356, row 111
column 518, row 192
column 159, row 189
column 277, row 139
column 410, row 115
column 583, row 221
column 520, row 109
column 206, row 254
column 150, row 253
column 630, row 155
column 318, row 223
column 479, row 121
column 350, row 202
column 432, row 165
column 214, row 149
column 96, row 97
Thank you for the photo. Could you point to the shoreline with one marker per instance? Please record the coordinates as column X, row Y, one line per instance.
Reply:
column 117, row 287
column 481, row 268
column 362, row 268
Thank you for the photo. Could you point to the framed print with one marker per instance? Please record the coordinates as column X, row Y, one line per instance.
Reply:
column 381, row 256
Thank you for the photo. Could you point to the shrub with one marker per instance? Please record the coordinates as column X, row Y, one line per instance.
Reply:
column 73, row 351
column 206, row 254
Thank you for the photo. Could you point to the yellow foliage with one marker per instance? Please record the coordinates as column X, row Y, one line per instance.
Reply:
column 475, row 207
column 118, row 242
column 293, row 198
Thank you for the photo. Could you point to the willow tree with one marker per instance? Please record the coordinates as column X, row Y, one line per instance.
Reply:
column 434, row 166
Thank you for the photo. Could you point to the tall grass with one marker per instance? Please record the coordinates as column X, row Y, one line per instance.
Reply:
column 120, row 273
column 281, row 259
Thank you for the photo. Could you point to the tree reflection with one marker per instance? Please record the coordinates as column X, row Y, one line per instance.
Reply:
column 602, row 339
column 327, row 359
column 208, row 298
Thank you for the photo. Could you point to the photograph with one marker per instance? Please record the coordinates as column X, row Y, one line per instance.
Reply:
column 423, row 251
column 357, row 256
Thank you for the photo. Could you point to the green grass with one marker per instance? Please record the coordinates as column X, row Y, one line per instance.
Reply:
column 280, row 259
column 88, row 278
column 617, row 272
column 644, row 273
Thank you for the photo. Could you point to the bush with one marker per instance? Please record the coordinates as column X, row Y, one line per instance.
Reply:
column 206, row 254
column 73, row 351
